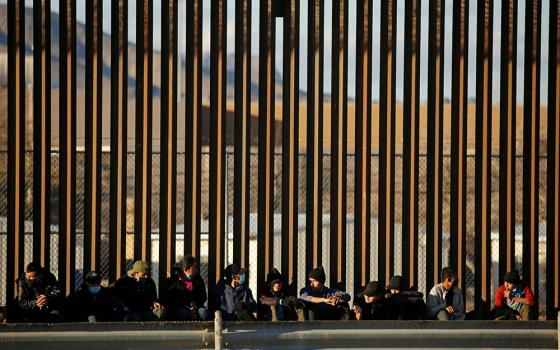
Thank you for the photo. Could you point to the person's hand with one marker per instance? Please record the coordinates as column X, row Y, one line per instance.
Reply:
column 357, row 309
column 506, row 293
column 41, row 301
column 335, row 299
column 450, row 309
column 157, row 305
column 518, row 317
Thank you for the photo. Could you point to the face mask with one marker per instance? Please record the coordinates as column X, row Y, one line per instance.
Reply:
column 94, row 290
column 242, row 279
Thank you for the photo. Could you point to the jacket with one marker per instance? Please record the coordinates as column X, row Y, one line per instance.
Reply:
column 436, row 301
column 45, row 284
column 226, row 299
column 520, row 291
column 83, row 304
column 374, row 311
column 139, row 296
column 175, row 294
column 407, row 305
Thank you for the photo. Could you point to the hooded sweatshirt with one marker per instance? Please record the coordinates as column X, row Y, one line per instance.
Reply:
column 226, row 299
column 436, row 301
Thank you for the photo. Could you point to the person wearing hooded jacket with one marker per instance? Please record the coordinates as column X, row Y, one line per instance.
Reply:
column 233, row 298
column 138, row 291
column 370, row 304
column 39, row 296
column 184, row 293
column 321, row 302
column 404, row 303
column 514, row 299
column 93, row 303
column 274, row 304
column 445, row 301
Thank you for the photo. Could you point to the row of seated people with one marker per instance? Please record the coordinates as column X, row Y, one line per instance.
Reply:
column 134, row 297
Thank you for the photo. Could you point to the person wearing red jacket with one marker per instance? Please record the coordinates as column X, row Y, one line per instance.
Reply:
column 514, row 300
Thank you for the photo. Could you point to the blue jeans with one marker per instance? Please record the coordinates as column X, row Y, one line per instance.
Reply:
column 186, row 314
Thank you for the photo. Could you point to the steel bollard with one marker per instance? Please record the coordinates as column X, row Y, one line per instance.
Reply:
column 218, row 331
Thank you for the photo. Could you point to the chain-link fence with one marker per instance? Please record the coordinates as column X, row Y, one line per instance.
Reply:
column 105, row 213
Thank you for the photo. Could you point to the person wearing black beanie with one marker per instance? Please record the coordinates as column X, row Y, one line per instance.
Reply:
column 514, row 299
column 275, row 303
column 321, row 302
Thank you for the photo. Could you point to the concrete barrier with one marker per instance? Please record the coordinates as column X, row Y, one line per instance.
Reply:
column 293, row 335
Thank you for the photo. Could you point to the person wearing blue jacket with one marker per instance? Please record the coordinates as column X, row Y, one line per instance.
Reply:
column 233, row 298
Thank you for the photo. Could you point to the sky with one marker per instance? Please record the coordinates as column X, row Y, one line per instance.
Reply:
column 352, row 42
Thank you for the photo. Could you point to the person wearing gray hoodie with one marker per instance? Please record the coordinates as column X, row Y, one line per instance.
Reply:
column 232, row 296
column 445, row 301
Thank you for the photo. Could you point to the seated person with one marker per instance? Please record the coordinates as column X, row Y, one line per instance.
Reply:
column 233, row 298
column 321, row 302
column 514, row 300
column 138, row 291
column 275, row 305
column 402, row 303
column 370, row 304
column 39, row 296
column 93, row 303
column 445, row 301
column 185, row 293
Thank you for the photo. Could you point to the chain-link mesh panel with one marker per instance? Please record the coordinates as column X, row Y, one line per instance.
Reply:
column 422, row 188
column 446, row 210
column 350, row 219
column 397, row 207
column 541, row 280
column 470, row 234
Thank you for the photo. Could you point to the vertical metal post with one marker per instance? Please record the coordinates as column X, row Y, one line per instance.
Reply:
column 67, row 194
column 217, row 139
column 508, row 78
column 459, row 86
column 242, row 132
column 193, row 129
column 16, row 144
column 553, row 167
column 531, row 144
column 218, row 330
column 93, row 111
column 265, row 240
column 314, row 197
column 434, row 176
column 168, row 143
column 387, row 121
column 41, row 131
column 483, row 174
column 362, row 189
column 119, row 75
column 411, row 129
column 339, row 138
column 290, row 140
column 143, row 140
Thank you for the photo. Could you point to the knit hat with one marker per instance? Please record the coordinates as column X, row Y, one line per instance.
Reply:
column 274, row 276
column 372, row 289
column 397, row 282
column 318, row 274
column 512, row 277
column 140, row 266
column 92, row 277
